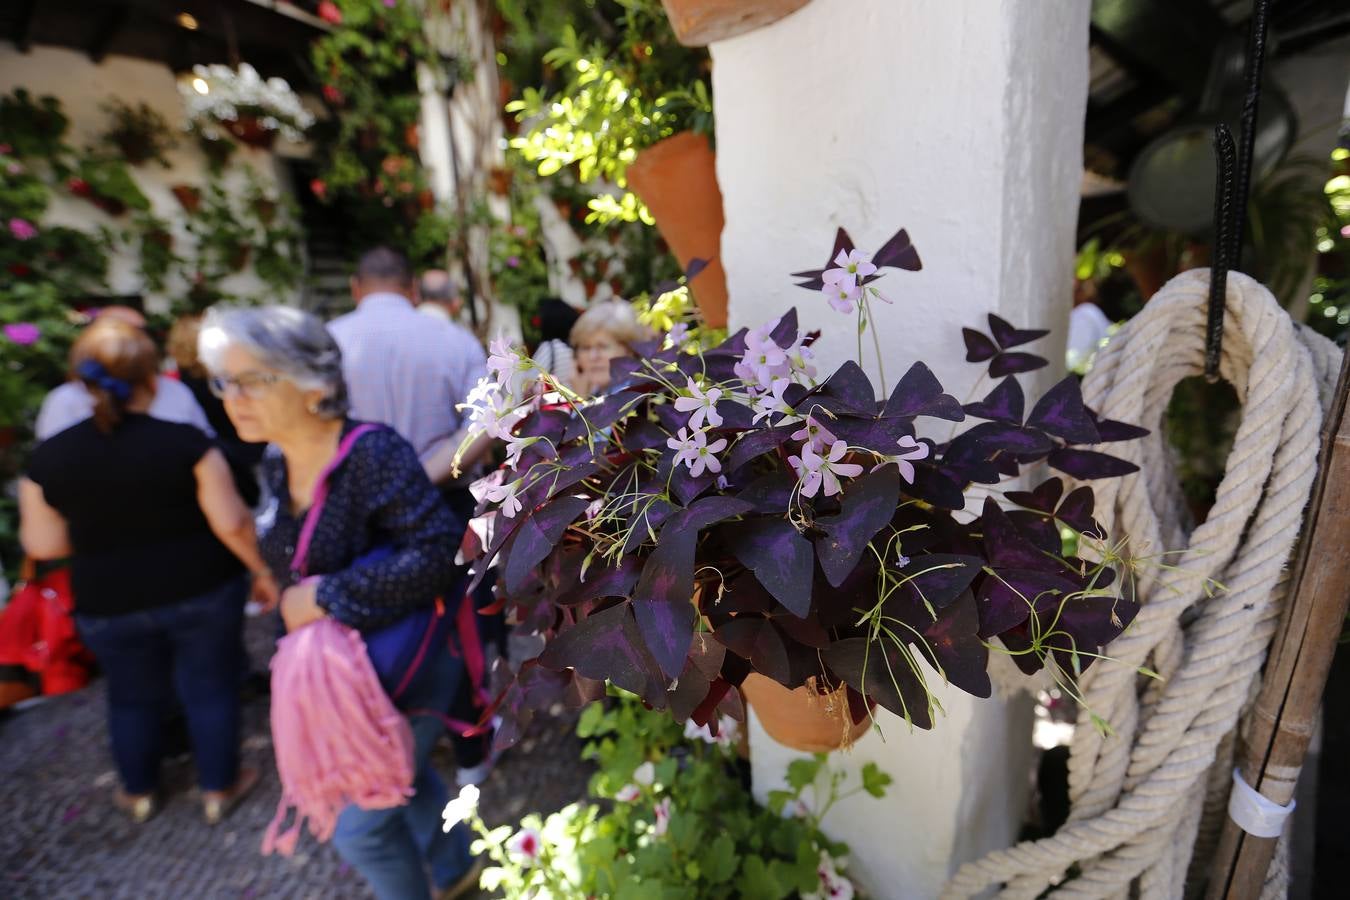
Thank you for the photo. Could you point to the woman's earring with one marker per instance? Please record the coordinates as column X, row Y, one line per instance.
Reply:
column 313, row 409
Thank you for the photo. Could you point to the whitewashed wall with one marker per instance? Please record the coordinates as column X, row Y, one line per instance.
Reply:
column 963, row 122
column 83, row 87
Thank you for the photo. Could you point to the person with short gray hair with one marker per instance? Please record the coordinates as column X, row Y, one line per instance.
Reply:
column 381, row 549
column 289, row 341
column 439, row 296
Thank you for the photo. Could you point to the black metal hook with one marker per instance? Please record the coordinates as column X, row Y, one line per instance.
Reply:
column 1233, row 185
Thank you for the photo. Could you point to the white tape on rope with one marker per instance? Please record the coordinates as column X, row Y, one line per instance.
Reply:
column 1253, row 812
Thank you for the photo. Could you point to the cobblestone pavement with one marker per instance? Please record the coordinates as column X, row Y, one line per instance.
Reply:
column 61, row 839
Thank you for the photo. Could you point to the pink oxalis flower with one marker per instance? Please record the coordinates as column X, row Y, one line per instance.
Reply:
column 702, row 404
column 818, row 471
column 628, row 793
column 695, row 452
column 910, row 450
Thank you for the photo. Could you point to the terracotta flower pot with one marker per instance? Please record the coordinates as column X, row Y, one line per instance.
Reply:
column 239, row 258
column 677, row 180
column 249, row 130
column 803, row 719
column 700, row 22
column 426, row 200
column 267, row 211
column 189, row 197
column 499, row 180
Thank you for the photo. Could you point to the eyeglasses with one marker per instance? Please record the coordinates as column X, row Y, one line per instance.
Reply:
column 250, row 384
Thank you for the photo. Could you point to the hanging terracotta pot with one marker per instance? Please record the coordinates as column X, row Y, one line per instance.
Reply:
column 677, row 180
column 189, row 197
column 698, row 23
column 412, row 137
column 499, row 180
column 426, row 200
column 239, row 258
column 804, row 719
column 249, row 130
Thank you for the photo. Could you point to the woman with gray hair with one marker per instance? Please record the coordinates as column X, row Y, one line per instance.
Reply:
column 354, row 531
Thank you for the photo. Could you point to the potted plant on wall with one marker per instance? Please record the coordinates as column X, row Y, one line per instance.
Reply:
column 138, row 132
column 724, row 511
column 636, row 113
column 252, row 109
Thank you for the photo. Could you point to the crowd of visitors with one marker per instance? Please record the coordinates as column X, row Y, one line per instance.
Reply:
column 317, row 469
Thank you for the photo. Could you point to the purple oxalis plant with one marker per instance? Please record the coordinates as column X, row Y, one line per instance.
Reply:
column 724, row 511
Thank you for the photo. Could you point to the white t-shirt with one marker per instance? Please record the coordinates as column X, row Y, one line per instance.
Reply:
column 71, row 404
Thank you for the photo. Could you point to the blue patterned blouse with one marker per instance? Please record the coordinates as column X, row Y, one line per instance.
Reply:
column 379, row 500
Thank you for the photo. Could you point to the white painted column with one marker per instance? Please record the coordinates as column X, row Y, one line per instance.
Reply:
column 962, row 122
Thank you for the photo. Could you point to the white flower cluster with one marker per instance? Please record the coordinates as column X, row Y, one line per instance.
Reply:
column 233, row 93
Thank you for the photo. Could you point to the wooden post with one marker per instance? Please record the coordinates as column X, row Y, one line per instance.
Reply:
column 1281, row 723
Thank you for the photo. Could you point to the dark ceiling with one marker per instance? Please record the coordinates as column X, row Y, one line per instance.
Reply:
column 1150, row 59
column 272, row 35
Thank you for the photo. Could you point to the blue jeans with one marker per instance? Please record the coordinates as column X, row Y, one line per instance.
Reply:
column 392, row 848
column 192, row 647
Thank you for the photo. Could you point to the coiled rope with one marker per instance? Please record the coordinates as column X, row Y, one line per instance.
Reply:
column 1149, row 798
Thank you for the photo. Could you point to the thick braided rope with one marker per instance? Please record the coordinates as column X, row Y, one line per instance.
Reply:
column 1141, row 794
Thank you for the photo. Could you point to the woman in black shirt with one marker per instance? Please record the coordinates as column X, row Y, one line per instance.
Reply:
column 148, row 511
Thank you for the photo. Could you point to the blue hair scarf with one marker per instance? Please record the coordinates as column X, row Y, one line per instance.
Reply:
column 91, row 371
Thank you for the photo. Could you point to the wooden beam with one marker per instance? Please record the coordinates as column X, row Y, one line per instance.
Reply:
column 23, row 32
column 1280, row 725
column 110, row 25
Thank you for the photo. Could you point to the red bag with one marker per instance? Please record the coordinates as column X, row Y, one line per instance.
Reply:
column 37, row 632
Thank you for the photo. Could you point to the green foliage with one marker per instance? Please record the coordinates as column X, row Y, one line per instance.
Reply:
column 624, row 87
column 111, row 185
column 714, row 843
column 32, row 129
column 367, row 151
column 157, row 256
column 138, row 132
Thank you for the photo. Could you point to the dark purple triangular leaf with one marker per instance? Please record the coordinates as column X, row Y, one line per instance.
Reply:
column 757, row 640
column 1014, row 364
column 848, row 390
column 883, row 674
column 1076, row 511
column 1005, row 546
column 695, row 267
column 604, row 580
column 935, row 487
column 536, row 538
column 1007, row 336
column 919, row 393
column 770, row 493
column 756, row 443
column 1021, row 442
column 898, row 253
column 937, row 579
column 663, row 600
column 867, row 505
column 1086, row 465
column 1040, row 529
column 1111, row 431
column 781, row 558
column 608, row 645
column 601, row 415
column 978, row 345
column 785, row 332
column 1005, row 600
column 1005, row 403
column 952, row 644
column 1044, row 498
column 1060, row 412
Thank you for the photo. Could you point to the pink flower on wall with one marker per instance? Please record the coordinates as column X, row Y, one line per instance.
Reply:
column 23, row 333
column 22, row 229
